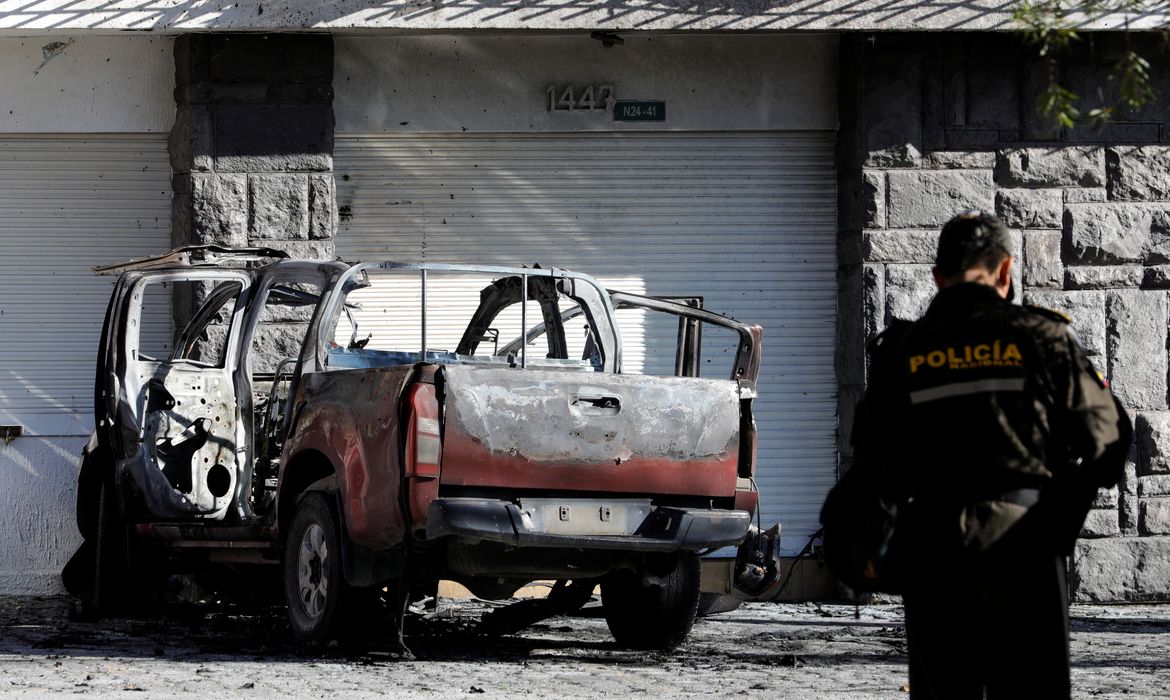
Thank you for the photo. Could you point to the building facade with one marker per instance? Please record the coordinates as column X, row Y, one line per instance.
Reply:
column 793, row 172
column 931, row 124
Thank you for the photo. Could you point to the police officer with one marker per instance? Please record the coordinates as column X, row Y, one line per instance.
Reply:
column 991, row 428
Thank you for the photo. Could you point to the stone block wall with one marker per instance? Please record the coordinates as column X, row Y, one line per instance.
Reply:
column 933, row 125
column 252, row 150
column 252, row 145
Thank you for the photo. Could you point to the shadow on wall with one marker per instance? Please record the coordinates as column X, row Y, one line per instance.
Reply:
column 38, row 479
column 437, row 14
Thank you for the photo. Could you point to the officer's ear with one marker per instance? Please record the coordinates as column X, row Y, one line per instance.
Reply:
column 939, row 280
column 1003, row 276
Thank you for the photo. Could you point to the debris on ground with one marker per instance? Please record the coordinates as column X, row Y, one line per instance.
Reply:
column 220, row 649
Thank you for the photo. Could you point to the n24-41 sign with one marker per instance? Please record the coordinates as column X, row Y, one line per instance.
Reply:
column 644, row 111
column 590, row 98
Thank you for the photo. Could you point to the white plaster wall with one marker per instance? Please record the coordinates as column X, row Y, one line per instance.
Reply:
column 498, row 84
column 75, row 85
column 440, row 15
column 38, row 479
column 87, row 84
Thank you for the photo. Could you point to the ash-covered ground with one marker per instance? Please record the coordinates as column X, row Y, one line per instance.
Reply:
column 217, row 649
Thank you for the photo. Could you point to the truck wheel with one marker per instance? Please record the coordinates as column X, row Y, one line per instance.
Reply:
column 652, row 616
column 110, row 555
column 321, row 606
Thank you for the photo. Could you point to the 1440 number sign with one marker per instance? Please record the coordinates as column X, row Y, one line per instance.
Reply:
column 591, row 98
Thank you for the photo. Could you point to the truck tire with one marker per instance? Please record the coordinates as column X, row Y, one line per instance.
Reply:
column 321, row 606
column 111, row 562
column 124, row 577
column 119, row 580
column 648, row 615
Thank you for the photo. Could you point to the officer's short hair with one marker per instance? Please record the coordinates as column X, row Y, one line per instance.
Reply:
column 969, row 239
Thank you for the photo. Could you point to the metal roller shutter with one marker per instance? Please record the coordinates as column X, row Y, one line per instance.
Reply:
column 68, row 203
column 747, row 220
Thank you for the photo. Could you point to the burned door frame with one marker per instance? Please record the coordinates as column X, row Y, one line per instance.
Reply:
column 289, row 272
column 146, row 388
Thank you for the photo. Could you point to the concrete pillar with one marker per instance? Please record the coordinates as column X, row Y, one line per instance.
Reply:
column 252, row 144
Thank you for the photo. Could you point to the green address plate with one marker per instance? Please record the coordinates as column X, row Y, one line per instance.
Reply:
column 642, row 111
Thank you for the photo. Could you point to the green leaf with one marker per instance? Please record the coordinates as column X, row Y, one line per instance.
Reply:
column 1049, row 25
column 1055, row 104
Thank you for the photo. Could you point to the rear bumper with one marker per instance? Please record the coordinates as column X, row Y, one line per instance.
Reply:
column 664, row 529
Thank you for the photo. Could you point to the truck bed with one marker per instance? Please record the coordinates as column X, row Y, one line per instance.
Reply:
column 570, row 431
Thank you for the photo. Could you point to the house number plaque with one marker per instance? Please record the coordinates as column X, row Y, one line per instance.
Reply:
column 588, row 98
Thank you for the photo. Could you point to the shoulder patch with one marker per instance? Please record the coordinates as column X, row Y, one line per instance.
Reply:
column 1049, row 313
column 1100, row 379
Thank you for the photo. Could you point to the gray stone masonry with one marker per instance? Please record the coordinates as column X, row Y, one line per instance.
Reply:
column 1154, row 516
column 1042, row 264
column 931, row 125
column 1077, row 195
column 252, row 144
column 892, row 140
column 899, row 246
column 1155, row 485
column 274, row 342
column 960, row 160
column 1156, row 277
column 279, row 206
column 1103, row 277
column 909, row 289
column 1030, row 208
column 252, row 153
column 1050, row 167
column 1101, row 522
column 1127, row 497
column 873, row 279
column 1107, row 498
column 322, row 206
column 927, row 198
column 1157, row 249
column 1139, row 173
column 1107, row 234
column 1120, row 569
column 1136, row 334
column 1086, row 309
column 1152, row 429
column 210, row 208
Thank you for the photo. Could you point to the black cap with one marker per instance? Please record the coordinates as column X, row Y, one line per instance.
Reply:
column 969, row 239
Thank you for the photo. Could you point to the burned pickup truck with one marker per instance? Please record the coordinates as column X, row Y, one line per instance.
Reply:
column 373, row 428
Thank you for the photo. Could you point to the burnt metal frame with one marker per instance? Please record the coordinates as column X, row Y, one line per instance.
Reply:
column 746, row 353
column 208, row 255
column 331, row 308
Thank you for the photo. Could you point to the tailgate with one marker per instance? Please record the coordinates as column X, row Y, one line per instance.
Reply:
column 586, row 431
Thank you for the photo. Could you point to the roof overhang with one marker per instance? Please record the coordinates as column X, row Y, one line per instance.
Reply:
column 443, row 16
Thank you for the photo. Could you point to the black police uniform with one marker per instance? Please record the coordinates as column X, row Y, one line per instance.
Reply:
column 991, row 427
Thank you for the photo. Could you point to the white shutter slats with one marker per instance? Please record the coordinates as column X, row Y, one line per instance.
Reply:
column 67, row 203
column 747, row 220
